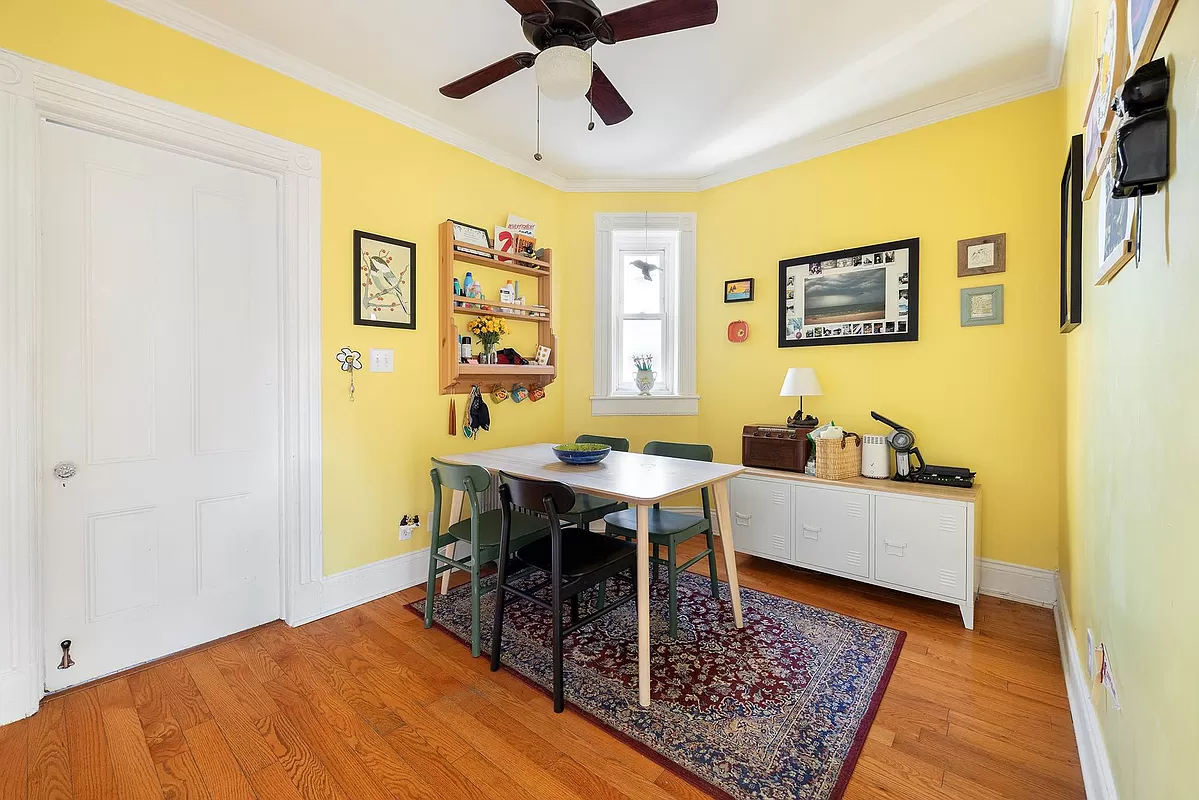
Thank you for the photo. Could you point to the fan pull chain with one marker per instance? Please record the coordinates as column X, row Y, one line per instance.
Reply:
column 591, row 95
column 537, row 155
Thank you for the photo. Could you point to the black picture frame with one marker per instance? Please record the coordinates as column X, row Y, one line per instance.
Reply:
column 359, row 318
column 749, row 299
column 486, row 237
column 1070, row 280
column 911, row 332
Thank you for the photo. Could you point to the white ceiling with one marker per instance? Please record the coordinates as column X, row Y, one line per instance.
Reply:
column 771, row 83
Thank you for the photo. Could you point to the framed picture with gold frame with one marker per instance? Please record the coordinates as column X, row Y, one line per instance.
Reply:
column 1147, row 20
column 1117, row 222
column 1112, row 67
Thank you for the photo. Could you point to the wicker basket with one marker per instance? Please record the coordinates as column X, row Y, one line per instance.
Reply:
column 838, row 459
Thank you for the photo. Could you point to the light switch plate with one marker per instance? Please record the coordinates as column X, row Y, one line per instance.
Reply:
column 382, row 360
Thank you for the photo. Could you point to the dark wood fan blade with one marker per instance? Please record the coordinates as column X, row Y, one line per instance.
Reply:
column 535, row 12
column 606, row 101
column 653, row 18
column 475, row 81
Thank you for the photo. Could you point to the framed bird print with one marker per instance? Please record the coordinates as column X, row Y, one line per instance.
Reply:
column 384, row 281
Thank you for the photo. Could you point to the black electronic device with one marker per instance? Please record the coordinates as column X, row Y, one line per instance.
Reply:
column 903, row 442
column 1143, row 138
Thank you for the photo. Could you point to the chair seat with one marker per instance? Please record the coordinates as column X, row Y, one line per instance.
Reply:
column 592, row 506
column 583, row 553
column 523, row 527
column 662, row 524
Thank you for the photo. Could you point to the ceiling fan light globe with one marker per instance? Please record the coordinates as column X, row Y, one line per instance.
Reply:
column 563, row 72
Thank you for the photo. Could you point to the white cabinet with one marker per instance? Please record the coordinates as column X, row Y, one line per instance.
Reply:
column 832, row 529
column 920, row 544
column 761, row 517
column 911, row 537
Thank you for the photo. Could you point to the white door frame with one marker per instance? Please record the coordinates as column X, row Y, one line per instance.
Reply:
column 31, row 91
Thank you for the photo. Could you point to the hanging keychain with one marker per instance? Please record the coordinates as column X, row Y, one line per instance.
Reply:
column 350, row 360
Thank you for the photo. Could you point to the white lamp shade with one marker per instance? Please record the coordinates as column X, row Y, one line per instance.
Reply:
column 563, row 72
column 801, row 382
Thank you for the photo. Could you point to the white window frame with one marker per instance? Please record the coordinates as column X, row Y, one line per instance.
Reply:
column 674, row 395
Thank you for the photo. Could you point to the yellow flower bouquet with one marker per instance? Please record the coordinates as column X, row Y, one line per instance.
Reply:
column 488, row 330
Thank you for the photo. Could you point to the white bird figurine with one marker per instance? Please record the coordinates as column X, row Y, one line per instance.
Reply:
column 647, row 269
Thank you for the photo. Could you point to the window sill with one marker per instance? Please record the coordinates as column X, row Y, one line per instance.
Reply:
column 653, row 406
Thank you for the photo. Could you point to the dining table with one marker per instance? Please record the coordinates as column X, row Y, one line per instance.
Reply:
column 637, row 479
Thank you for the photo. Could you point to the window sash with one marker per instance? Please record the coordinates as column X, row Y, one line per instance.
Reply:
column 628, row 244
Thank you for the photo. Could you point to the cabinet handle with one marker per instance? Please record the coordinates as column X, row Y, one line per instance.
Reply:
column 742, row 519
column 899, row 548
column 814, row 531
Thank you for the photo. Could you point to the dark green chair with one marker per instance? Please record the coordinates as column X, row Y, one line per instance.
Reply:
column 588, row 508
column 481, row 531
column 669, row 528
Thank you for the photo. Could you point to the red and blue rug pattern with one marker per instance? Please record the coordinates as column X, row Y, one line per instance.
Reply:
column 778, row 709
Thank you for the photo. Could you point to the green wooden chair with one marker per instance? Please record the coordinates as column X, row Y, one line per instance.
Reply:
column 482, row 531
column 588, row 508
column 668, row 528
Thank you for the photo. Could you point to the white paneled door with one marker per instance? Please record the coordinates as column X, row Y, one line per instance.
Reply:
column 160, row 385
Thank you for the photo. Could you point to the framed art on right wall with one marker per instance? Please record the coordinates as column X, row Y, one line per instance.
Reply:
column 1146, row 23
column 1117, row 218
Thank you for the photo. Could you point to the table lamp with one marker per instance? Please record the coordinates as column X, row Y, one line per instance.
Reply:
column 801, row 382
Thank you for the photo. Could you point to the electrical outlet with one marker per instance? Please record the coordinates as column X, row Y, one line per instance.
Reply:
column 405, row 532
column 1109, row 677
column 1092, row 667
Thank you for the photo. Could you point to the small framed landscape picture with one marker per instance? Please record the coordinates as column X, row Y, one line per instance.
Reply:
column 982, row 305
column 739, row 291
column 384, row 281
column 982, row 256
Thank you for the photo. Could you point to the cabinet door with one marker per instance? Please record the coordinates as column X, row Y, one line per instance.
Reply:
column 920, row 544
column 761, row 517
column 832, row 529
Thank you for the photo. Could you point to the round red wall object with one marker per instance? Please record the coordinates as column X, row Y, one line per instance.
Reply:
column 738, row 331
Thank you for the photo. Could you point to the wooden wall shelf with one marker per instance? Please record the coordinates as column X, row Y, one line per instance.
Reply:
column 457, row 378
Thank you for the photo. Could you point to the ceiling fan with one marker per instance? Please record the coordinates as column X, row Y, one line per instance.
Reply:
column 563, row 31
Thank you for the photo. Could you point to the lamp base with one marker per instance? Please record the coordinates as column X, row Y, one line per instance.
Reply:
column 801, row 421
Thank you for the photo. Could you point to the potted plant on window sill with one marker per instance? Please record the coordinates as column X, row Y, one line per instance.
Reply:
column 644, row 377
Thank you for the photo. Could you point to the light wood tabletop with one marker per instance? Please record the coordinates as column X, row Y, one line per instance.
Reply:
column 634, row 478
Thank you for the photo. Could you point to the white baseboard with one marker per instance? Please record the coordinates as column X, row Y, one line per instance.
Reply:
column 1092, row 753
column 370, row 582
column 1037, row 587
column 19, row 694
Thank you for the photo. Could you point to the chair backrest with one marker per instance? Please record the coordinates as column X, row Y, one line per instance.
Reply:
column 615, row 442
column 458, row 477
column 691, row 452
column 545, row 497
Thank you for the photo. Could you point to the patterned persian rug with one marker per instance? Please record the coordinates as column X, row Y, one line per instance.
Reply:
column 779, row 709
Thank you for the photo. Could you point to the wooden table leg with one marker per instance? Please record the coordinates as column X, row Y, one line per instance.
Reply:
column 720, row 493
column 643, row 605
column 449, row 549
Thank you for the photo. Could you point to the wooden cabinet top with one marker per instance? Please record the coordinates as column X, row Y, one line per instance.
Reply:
column 882, row 485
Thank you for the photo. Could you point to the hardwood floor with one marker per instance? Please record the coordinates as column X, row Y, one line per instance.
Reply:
column 367, row 704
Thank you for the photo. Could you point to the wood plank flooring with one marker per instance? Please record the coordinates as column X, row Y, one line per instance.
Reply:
column 367, row 704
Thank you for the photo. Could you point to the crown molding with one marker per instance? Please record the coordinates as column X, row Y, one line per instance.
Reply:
column 198, row 26
column 180, row 18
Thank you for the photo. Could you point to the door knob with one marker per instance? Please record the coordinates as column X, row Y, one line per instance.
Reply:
column 65, row 470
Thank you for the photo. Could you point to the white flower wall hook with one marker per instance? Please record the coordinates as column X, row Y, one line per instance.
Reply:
column 350, row 361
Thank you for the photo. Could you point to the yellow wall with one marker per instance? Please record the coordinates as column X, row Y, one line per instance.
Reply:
column 1130, row 544
column 377, row 176
column 987, row 397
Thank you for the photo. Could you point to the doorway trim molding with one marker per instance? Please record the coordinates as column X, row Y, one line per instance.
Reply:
column 32, row 91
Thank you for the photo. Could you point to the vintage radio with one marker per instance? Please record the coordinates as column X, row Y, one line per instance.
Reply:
column 775, row 447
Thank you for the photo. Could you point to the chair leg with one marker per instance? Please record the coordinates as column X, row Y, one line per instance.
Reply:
column 432, row 585
column 657, row 558
column 475, row 592
column 497, row 627
column 712, row 565
column 559, row 701
column 574, row 609
column 672, row 587
column 601, row 599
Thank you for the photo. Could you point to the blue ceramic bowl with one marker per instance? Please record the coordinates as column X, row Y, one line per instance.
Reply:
column 592, row 455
